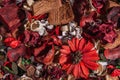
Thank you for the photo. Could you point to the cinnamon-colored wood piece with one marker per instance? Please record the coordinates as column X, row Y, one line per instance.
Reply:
column 44, row 6
column 63, row 15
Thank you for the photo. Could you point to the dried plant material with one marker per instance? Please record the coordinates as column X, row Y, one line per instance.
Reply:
column 30, row 2
column 24, row 77
column 11, row 16
column 114, row 44
column 30, row 71
column 108, row 77
column 101, row 71
column 70, row 77
column 112, row 4
column 44, row 6
column 112, row 54
column 62, row 15
column 1, row 75
column 21, row 65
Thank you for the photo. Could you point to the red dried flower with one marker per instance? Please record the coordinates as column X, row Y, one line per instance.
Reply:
column 12, row 42
column 78, row 57
column 114, row 16
column 100, row 5
column 112, row 54
column 113, row 70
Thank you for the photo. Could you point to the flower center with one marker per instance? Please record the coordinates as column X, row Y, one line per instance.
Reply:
column 76, row 57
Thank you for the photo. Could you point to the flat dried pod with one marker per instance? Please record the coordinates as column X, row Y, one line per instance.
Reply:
column 108, row 77
column 30, row 70
column 11, row 16
column 101, row 71
column 112, row 4
column 21, row 65
column 44, row 6
column 114, row 44
column 62, row 15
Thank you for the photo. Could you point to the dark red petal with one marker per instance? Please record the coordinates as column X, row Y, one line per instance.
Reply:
column 49, row 57
column 115, row 73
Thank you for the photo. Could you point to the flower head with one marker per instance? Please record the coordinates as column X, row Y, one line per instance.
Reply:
column 78, row 57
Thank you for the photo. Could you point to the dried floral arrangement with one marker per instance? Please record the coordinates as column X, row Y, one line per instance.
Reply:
column 59, row 39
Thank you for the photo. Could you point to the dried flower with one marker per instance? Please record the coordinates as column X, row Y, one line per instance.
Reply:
column 77, row 57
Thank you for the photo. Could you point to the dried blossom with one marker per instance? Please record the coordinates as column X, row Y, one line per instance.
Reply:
column 100, row 5
column 114, row 16
column 77, row 57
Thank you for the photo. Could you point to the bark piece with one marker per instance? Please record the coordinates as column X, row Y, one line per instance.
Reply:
column 30, row 71
column 44, row 6
column 63, row 15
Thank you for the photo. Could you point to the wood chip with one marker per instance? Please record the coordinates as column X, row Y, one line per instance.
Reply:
column 44, row 6
column 108, row 77
column 63, row 15
column 112, row 4
column 31, row 71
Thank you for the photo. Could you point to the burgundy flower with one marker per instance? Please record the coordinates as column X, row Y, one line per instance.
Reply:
column 78, row 57
column 14, row 54
column 79, row 8
column 56, row 72
column 114, row 16
column 107, row 29
column 100, row 5
column 30, row 38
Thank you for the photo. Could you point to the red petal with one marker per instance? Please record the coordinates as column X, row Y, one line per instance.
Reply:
column 76, row 71
column 73, row 41
column 81, row 72
column 84, row 69
column 66, row 48
column 72, row 46
column 64, row 51
column 88, row 47
column 77, row 43
column 62, row 59
column 66, row 66
column 91, row 65
column 82, row 44
column 50, row 56
column 116, row 72
column 14, row 44
column 70, row 69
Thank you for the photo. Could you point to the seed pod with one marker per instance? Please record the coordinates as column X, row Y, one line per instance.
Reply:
column 101, row 71
column 108, row 77
column 30, row 70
